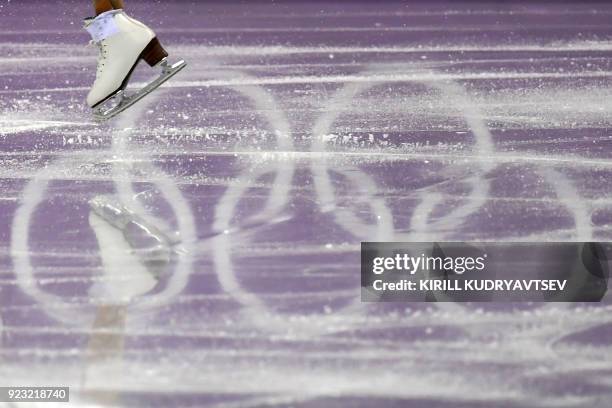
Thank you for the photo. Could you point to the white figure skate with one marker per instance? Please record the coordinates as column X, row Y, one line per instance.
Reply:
column 123, row 42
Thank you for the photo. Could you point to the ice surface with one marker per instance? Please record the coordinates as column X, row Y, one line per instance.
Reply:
column 296, row 132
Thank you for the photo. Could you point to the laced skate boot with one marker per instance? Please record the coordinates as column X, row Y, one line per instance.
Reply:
column 123, row 42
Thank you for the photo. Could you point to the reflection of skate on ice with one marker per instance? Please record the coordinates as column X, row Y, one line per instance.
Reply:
column 153, row 247
column 122, row 43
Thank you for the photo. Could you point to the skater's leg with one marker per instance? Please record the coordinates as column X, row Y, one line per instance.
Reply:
column 102, row 6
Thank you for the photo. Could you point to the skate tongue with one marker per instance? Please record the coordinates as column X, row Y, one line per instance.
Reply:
column 102, row 26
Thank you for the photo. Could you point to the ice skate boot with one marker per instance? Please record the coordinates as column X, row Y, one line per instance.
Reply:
column 123, row 42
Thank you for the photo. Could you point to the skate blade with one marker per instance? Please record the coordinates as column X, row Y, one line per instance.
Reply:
column 168, row 71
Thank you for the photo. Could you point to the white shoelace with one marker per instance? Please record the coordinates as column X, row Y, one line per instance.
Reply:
column 101, row 55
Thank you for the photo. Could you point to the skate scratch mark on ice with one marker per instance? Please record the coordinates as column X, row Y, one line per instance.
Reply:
column 17, row 62
column 442, row 13
column 585, row 46
column 413, row 28
column 366, row 157
column 418, row 77
column 346, row 78
column 578, row 46
column 10, row 126
column 441, row 318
